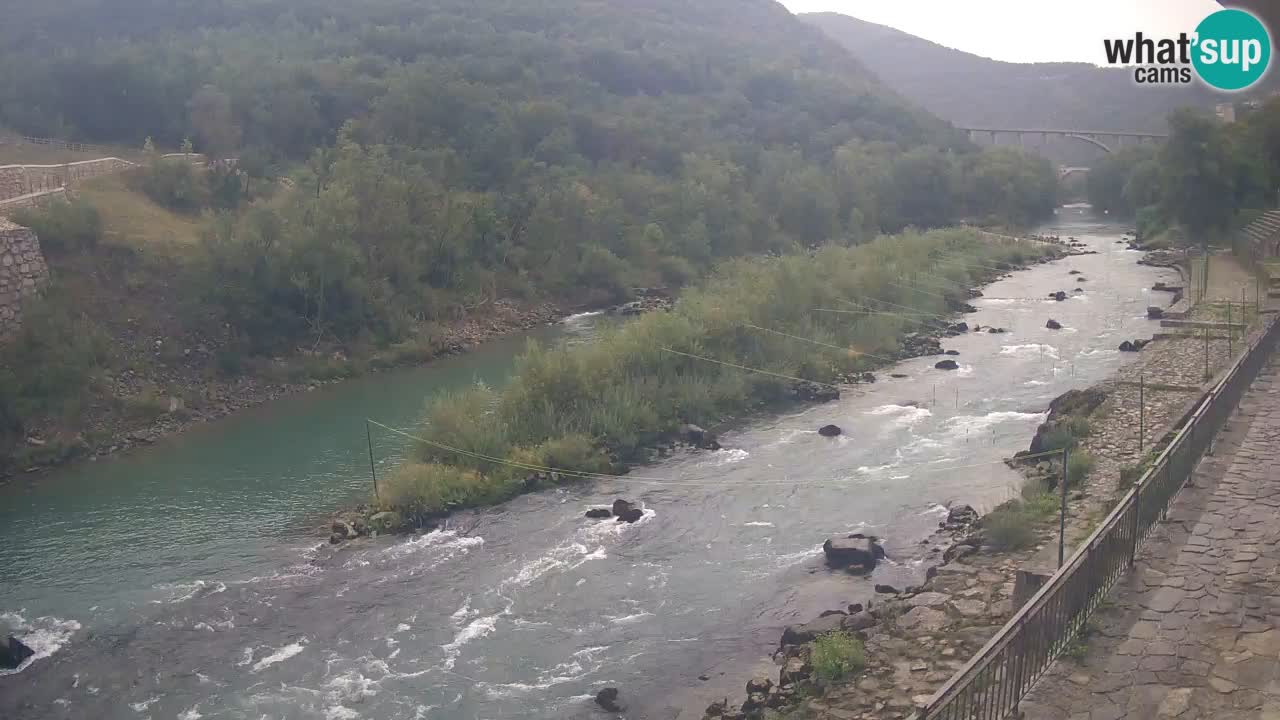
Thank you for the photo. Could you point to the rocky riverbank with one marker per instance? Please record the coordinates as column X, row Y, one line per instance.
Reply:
column 916, row 639
column 193, row 395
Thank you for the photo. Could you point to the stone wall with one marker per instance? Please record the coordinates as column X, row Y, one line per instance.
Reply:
column 20, row 180
column 22, row 272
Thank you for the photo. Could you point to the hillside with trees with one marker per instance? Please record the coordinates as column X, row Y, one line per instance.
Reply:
column 403, row 164
column 976, row 91
column 1203, row 184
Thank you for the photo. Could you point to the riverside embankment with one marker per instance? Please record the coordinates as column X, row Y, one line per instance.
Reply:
column 218, row 598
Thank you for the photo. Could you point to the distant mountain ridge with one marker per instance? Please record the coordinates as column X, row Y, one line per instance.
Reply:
column 970, row 90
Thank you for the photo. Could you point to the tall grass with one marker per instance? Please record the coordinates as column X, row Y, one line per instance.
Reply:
column 625, row 391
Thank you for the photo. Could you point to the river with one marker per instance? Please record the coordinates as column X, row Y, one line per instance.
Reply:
column 190, row 580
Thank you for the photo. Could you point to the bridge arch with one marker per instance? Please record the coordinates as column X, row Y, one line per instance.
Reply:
column 1089, row 139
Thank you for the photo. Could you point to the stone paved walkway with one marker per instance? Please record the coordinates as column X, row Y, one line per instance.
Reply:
column 1194, row 631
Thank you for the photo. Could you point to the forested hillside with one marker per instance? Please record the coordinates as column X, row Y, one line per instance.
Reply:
column 437, row 156
column 971, row 90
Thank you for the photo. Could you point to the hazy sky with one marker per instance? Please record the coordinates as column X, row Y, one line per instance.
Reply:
column 1023, row 30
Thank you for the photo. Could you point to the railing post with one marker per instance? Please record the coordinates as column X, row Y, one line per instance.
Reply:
column 1137, row 520
column 1062, row 517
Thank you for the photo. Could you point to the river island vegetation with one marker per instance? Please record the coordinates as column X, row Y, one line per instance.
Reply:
column 589, row 408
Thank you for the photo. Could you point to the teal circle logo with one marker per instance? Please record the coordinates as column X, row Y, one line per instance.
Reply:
column 1232, row 51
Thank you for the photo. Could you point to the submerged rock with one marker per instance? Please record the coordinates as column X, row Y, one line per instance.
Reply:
column 1155, row 313
column 13, row 652
column 952, row 352
column 621, row 506
column 1053, row 324
column 597, row 513
column 830, row 430
column 608, row 699
column 997, row 331
column 1059, row 296
column 947, row 365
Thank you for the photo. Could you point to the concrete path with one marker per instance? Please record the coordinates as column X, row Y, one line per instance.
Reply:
column 1194, row 630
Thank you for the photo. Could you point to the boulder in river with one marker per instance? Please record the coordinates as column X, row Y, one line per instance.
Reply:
column 621, row 506
column 597, row 513
column 960, row 327
column 806, row 391
column 1059, row 296
column 630, row 516
column 886, row 589
column 947, row 365
column 830, row 431
column 1075, row 272
column 856, row 553
column 1082, row 279
column 608, row 699
column 860, row 620
column 699, row 438
column 961, row 515
column 1133, row 346
column 1053, row 324
column 810, row 631
column 997, row 331
column 13, row 652
column 952, row 352
column 1155, row 313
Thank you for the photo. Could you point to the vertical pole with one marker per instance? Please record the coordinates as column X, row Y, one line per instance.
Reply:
column 1230, row 334
column 1206, row 354
column 1142, row 410
column 1062, row 516
column 1244, row 295
column 368, row 436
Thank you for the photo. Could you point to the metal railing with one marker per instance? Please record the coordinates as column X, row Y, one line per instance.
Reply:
column 992, row 684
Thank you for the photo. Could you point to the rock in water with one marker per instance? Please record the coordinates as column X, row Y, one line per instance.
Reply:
column 699, row 438
column 854, row 552
column 829, row 430
column 1053, row 324
column 947, row 365
column 1059, row 296
column 1074, row 272
column 1155, row 313
column 608, row 699
column 808, row 632
column 886, row 589
column 962, row 515
column 13, row 652
column 1127, row 346
column 621, row 506
column 952, row 352
column 597, row 513
column 631, row 515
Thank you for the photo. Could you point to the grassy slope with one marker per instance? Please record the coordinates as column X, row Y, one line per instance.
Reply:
column 132, row 220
